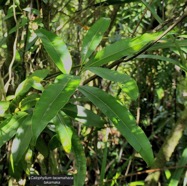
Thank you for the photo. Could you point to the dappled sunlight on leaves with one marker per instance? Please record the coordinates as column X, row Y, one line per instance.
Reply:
column 9, row 127
column 56, row 49
column 93, row 37
column 119, row 49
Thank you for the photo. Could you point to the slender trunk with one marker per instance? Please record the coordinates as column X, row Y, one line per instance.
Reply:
column 167, row 149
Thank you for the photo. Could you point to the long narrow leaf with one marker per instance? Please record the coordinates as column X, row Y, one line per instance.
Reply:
column 80, row 160
column 9, row 127
column 120, row 49
column 122, row 119
column 162, row 58
column 4, row 105
column 83, row 115
column 64, row 131
column 53, row 98
column 21, row 140
column 28, row 102
column 127, row 84
column 68, row 133
column 151, row 9
column 94, row 37
column 31, row 81
column 56, row 49
column 169, row 44
column 42, row 147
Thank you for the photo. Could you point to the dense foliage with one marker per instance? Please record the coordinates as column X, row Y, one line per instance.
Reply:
column 93, row 89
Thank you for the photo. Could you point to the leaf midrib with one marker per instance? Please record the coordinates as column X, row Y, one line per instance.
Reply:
column 97, row 61
column 97, row 31
column 117, row 117
column 65, row 129
column 69, row 79
column 58, row 55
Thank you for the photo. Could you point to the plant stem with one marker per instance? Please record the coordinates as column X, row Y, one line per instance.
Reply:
column 103, row 165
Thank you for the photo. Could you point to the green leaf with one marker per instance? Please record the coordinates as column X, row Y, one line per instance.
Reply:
column 53, row 98
column 135, row 183
column 127, row 84
column 31, row 81
column 24, row 21
column 30, row 45
column 122, row 119
column 169, row 44
column 4, row 105
column 2, row 41
column 94, row 37
column 42, row 147
column 28, row 102
column 9, row 127
column 16, row 171
column 162, row 58
column 64, row 131
column 54, row 142
column 153, row 12
column 56, row 49
column 22, row 139
column 80, row 160
column 85, row 116
column 175, row 178
column 64, row 127
column 119, row 49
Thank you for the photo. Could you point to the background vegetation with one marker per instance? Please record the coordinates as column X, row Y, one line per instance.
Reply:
column 94, row 89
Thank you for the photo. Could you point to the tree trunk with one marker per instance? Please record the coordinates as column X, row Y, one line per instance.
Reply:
column 167, row 149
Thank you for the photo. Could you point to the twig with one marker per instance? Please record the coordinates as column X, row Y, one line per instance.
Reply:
column 143, row 14
column 147, row 172
column 152, row 43
column 14, row 50
column 116, row 63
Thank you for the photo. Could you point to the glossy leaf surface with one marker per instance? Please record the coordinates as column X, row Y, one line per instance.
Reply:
column 122, row 119
column 119, row 49
column 22, row 139
column 83, row 115
column 162, row 58
column 53, row 98
column 4, row 105
column 9, row 127
column 32, row 81
column 128, row 85
column 56, row 49
column 80, row 160
column 64, row 131
column 28, row 102
column 94, row 37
